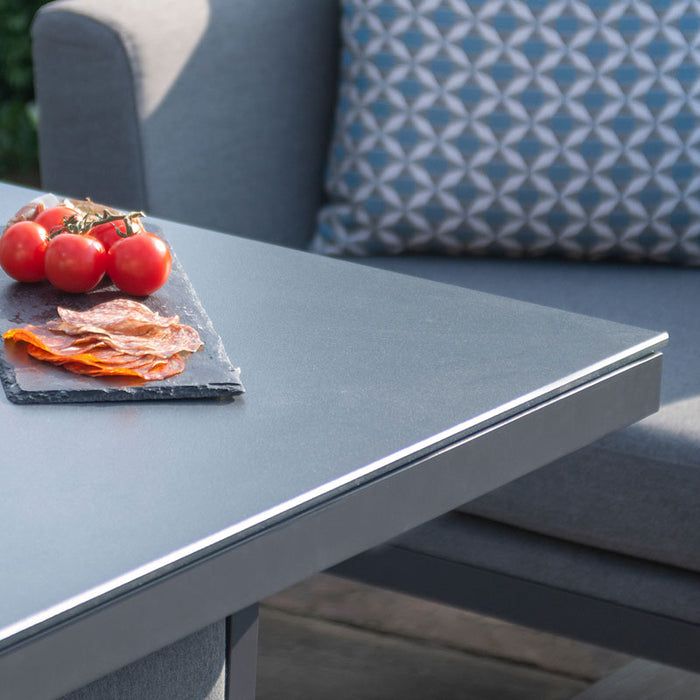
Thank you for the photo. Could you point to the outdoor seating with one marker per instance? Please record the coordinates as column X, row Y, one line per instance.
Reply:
column 225, row 114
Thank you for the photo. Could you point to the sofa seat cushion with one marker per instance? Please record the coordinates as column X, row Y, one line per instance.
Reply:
column 589, row 572
column 635, row 491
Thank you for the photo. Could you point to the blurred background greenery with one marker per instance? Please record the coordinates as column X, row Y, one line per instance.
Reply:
column 18, row 118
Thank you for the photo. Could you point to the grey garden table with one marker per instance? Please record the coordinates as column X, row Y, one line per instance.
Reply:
column 374, row 403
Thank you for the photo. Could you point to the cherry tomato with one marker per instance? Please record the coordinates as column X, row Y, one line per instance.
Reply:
column 107, row 233
column 75, row 263
column 22, row 249
column 52, row 217
column 140, row 264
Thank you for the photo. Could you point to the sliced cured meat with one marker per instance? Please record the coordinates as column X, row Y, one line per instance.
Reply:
column 32, row 209
column 164, row 343
column 28, row 212
column 84, row 364
column 119, row 315
column 159, row 341
column 39, row 336
column 100, row 365
column 117, row 338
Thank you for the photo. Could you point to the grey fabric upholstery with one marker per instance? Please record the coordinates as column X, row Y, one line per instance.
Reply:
column 556, row 563
column 632, row 605
column 192, row 669
column 186, row 112
column 635, row 491
column 75, row 148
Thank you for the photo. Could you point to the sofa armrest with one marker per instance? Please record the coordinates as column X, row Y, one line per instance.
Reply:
column 89, row 131
column 213, row 112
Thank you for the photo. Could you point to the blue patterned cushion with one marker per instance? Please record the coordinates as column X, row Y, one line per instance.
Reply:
column 526, row 127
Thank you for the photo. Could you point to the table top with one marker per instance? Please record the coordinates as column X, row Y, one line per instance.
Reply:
column 350, row 372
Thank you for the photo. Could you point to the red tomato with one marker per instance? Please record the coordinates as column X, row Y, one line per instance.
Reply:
column 107, row 233
column 52, row 217
column 75, row 263
column 22, row 249
column 140, row 264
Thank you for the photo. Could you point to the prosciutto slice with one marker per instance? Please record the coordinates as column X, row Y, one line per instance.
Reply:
column 117, row 338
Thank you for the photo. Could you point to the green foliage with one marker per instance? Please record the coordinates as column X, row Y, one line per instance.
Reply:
column 18, row 141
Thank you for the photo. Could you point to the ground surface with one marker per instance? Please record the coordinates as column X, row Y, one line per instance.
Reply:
column 331, row 638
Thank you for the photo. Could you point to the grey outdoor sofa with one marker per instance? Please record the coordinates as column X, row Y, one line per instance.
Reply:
column 220, row 113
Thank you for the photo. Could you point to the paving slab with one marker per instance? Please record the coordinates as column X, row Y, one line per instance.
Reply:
column 303, row 658
column 331, row 598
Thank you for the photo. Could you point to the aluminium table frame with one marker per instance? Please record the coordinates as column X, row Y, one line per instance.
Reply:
column 226, row 583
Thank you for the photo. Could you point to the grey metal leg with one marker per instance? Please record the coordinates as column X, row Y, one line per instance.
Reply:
column 242, row 654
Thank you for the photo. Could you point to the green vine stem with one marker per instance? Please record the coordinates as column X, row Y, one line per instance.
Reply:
column 81, row 225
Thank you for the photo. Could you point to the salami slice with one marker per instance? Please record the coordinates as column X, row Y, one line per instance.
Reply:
column 32, row 209
column 118, row 316
column 117, row 338
column 84, row 363
column 28, row 212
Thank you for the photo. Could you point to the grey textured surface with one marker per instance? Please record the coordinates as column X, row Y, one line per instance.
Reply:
column 325, row 364
column 192, row 669
column 208, row 373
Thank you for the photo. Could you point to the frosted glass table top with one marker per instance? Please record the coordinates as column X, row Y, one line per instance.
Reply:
column 349, row 371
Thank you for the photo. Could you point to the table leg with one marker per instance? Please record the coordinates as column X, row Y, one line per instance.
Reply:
column 242, row 654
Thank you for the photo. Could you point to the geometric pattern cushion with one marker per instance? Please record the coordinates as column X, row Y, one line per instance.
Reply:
column 518, row 127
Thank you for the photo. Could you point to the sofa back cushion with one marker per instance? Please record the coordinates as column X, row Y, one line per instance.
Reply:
column 519, row 128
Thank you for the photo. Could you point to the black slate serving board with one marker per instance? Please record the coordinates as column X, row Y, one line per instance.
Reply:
column 208, row 373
